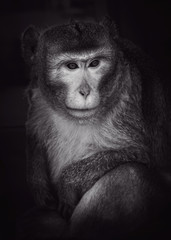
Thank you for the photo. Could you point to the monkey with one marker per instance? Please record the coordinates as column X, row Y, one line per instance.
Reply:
column 97, row 130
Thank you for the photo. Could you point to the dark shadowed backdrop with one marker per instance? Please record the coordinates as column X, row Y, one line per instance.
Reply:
column 146, row 23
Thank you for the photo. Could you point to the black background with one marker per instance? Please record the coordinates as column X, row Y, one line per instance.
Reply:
column 146, row 23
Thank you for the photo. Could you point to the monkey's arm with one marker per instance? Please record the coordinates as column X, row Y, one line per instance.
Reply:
column 37, row 173
column 76, row 179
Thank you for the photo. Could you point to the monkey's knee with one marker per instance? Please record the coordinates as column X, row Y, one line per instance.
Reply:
column 121, row 201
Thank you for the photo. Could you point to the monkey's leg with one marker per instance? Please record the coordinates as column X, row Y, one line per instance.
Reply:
column 77, row 178
column 124, row 202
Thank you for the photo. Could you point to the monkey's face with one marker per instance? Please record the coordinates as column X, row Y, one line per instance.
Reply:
column 75, row 67
column 79, row 76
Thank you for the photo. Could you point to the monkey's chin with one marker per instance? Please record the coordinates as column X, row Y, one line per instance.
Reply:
column 82, row 113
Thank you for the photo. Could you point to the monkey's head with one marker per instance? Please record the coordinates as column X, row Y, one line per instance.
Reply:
column 75, row 67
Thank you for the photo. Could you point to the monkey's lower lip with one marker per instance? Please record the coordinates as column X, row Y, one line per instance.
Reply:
column 81, row 112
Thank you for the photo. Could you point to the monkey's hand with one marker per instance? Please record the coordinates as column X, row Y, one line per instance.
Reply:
column 77, row 178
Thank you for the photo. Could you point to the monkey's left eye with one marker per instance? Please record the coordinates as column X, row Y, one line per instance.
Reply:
column 94, row 63
column 72, row 65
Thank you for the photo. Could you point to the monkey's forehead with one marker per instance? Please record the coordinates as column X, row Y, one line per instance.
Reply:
column 75, row 37
column 106, row 53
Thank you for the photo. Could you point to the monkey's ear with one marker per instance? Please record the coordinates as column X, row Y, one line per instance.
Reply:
column 108, row 23
column 29, row 44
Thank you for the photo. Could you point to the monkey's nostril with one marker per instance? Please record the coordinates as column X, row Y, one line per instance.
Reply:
column 84, row 92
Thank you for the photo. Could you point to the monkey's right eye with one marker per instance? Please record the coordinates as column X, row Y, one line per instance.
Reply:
column 72, row 65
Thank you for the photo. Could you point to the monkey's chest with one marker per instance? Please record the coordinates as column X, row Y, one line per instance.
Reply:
column 71, row 148
column 74, row 143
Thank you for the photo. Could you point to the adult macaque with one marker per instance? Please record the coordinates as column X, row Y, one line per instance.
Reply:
column 97, row 133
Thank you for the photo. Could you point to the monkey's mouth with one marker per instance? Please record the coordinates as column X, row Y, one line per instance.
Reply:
column 81, row 113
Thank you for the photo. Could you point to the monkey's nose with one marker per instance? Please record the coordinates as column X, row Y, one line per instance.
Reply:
column 84, row 91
